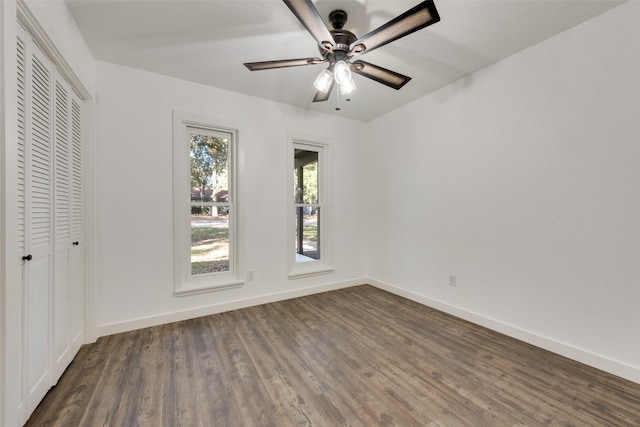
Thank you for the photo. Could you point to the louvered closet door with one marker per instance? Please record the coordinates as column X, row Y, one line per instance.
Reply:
column 22, row 192
column 76, row 312
column 38, row 239
column 50, row 220
column 22, row 154
column 61, row 226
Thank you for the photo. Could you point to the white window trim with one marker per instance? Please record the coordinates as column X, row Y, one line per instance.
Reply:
column 184, row 283
column 323, row 265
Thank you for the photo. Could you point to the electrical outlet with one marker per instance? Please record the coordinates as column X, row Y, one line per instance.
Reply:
column 249, row 275
column 452, row 280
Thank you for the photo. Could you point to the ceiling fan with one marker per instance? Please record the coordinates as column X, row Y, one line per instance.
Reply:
column 339, row 47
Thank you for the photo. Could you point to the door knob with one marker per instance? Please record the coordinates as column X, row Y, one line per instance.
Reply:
column 76, row 243
column 27, row 257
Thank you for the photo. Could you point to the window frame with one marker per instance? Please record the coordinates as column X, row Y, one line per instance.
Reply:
column 184, row 282
column 322, row 265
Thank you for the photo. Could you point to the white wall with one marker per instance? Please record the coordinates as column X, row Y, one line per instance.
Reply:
column 133, row 173
column 523, row 180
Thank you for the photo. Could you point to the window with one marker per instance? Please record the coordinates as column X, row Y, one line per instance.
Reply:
column 307, row 205
column 205, row 206
column 308, row 225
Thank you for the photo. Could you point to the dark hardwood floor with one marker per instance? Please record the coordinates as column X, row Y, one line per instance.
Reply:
column 358, row 356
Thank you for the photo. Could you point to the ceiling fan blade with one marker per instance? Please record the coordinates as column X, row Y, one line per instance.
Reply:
column 308, row 16
column 267, row 65
column 323, row 96
column 380, row 74
column 412, row 20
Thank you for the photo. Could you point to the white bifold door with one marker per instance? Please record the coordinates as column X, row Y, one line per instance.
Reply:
column 50, row 220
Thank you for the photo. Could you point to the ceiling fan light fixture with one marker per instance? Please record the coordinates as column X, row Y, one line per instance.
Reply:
column 342, row 72
column 347, row 87
column 323, row 81
column 339, row 46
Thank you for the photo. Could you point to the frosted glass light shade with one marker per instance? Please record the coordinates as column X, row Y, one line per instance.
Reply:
column 342, row 72
column 323, row 81
column 347, row 87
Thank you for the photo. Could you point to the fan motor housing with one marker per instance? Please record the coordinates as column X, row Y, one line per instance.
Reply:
column 342, row 40
column 341, row 37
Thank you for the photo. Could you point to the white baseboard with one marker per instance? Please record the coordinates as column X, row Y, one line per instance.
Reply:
column 176, row 316
column 629, row 372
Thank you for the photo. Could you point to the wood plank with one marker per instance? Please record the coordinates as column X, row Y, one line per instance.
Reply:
column 356, row 356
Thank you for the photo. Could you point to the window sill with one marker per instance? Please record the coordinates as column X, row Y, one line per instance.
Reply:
column 207, row 288
column 308, row 272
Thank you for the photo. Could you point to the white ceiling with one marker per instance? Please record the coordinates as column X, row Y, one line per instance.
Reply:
column 207, row 41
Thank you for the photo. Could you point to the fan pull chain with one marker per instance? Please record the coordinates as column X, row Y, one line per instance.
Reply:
column 338, row 108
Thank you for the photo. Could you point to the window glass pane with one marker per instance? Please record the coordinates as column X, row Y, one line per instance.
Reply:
column 209, row 239
column 209, row 157
column 306, row 176
column 307, row 233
